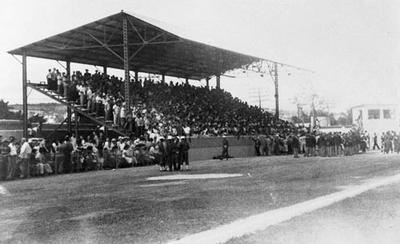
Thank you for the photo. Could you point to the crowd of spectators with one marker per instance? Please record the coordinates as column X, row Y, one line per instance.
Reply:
column 164, row 108
column 163, row 119
column 39, row 157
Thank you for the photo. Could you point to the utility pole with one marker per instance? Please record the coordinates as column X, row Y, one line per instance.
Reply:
column 313, row 110
column 275, row 69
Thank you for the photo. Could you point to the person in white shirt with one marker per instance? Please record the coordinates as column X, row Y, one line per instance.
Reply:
column 59, row 82
column 107, row 108
column 89, row 95
column 73, row 141
column 116, row 113
column 25, row 155
column 123, row 115
column 49, row 80
column 82, row 91
column 12, row 159
column 65, row 82
column 107, row 145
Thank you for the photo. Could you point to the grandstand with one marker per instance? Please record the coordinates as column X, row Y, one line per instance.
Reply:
column 124, row 41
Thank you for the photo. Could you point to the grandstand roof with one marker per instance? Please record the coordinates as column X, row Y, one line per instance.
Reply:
column 152, row 49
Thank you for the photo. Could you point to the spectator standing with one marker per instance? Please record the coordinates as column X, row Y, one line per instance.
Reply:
column 89, row 96
column 58, row 159
column 295, row 143
column 4, row 153
column 225, row 148
column 12, row 159
column 117, row 113
column 257, row 145
column 49, row 80
column 67, row 149
column 123, row 115
column 65, row 83
column 140, row 125
column 54, row 79
column 59, row 82
column 184, row 153
column 375, row 142
column 25, row 155
column 163, row 147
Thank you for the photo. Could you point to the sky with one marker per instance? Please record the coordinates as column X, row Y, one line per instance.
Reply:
column 352, row 45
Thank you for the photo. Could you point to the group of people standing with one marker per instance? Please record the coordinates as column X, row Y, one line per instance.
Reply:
column 311, row 144
column 389, row 141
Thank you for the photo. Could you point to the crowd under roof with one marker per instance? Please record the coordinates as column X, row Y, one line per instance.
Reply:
column 151, row 49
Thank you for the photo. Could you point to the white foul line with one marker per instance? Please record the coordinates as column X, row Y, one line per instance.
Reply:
column 258, row 222
column 193, row 176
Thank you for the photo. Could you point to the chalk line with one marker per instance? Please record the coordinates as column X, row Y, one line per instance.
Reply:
column 259, row 222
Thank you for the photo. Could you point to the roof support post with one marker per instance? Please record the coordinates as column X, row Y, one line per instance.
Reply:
column 136, row 76
column 218, row 85
column 76, row 124
column 126, row 62
column 24, row 96
column 208, row 82
column 276, row 91
column 69, row 112
column 163, row 78
column 105, row 69
column 187, row 81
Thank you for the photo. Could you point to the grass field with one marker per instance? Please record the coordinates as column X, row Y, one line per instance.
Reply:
column 122, row 206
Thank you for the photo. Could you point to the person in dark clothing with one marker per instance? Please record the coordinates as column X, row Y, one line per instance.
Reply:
column 4, row 152
column 376, row 142
column 164, row 154
column 329, row 144
column 313, row 144
column 184, row 153
column 225, row 149
column 257, row 145
column 67, row 150
column 174, row 155
column 169, row 153
column 308, row 146
column 321, row 145
column 337, row 141
column 295, row 144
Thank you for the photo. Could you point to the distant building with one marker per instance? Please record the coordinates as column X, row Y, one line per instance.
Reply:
column 376, row 118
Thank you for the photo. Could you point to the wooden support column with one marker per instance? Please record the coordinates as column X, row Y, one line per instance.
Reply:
column 24, row 96
column 69, row 112
column 126, row 63
column 105, row 69
column 208, row 82
column 187, row 81
column 163, row 78
column 76, row 124
column 136, row 76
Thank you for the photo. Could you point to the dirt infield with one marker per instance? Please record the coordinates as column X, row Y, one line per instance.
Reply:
column 123, row 206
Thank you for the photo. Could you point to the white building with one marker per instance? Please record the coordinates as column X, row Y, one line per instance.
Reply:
column 376, row 118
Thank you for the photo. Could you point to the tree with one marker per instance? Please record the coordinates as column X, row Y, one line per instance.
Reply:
column 345, row 118
column 5, row 112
